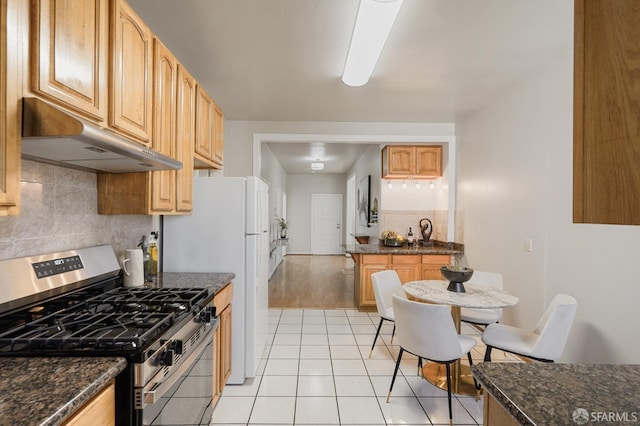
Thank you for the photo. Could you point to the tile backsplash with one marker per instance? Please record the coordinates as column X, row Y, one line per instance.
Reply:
column 400, row 221
column 59, row 212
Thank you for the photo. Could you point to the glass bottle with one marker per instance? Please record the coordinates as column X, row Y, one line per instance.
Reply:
column 410, row 238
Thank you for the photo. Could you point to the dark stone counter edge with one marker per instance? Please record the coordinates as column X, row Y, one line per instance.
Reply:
column 510, row 407
column 436, row 247
column 89, row 392
column 214, row 280
column 47, row 391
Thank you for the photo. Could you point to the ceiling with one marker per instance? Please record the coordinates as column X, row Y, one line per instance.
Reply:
column 281, row 60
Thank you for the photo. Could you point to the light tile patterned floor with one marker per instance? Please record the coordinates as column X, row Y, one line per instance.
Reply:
column 316, row 370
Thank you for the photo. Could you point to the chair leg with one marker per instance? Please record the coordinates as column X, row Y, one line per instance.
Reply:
column 395, row 373
column 376, row 338
column 448, row 365
column 419, row 365
column 393, row 333
column 475, row 382
column 487, row 354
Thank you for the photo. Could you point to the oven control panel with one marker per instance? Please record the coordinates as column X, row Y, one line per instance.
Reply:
column 48, row 268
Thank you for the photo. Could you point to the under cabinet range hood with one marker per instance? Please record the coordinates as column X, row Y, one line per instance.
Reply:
column 53, row 136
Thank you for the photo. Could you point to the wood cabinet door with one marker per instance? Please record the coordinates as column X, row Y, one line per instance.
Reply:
column 401, row 160
column 185, row 136
column 217, row 390
column 606, row 108
column 218, row 135
column 165, row 76
column 431, row 266
column 131, row 73
column 428, row 161
column 9, row 111
column 407, row 266
column 225, row 346
column 204, row 125
column 367, row 297
column 69, row 54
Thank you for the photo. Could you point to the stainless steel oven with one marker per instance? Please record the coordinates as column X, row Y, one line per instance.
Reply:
column 72, row 304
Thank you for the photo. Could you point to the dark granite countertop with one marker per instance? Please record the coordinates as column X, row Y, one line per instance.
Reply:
column 552, row 394
column 217, row 281
column 436, row 247
column 45, row 391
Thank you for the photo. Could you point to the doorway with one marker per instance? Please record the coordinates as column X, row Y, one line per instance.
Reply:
column 326, row 223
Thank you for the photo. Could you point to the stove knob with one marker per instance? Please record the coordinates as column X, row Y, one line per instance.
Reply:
column 205, row 315
column 177, row 347
column 166, row 358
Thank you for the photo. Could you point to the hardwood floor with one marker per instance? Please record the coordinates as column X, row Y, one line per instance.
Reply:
column 304, row 281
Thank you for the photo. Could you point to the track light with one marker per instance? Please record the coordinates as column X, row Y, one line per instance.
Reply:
column 418, row 185
column 432, row 185
column 404, row 185
column 389, row 184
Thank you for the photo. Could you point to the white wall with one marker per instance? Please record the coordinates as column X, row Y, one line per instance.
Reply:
column 275, row 176
column 515, row 182
column 367, row 164
column 299, row 190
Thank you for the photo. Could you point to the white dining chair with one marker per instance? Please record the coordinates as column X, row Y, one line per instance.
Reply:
column 545, row 342
column 427, row 331
column 483, row 317
column 385, row 284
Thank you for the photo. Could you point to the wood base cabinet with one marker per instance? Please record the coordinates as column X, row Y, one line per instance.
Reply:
column 100, row 410
column 410, row 267
column 494, row 414
column 10, row 114
column 222, row 341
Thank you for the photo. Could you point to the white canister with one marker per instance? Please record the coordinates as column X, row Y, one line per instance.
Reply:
column 133, row 268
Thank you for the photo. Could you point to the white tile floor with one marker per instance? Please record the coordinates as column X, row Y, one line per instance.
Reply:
column 316, row 370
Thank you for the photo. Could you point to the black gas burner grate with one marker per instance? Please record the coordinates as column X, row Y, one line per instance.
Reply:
column 158, row 299
column 88, row 329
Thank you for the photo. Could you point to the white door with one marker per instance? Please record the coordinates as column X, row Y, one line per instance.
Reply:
column 326, row 223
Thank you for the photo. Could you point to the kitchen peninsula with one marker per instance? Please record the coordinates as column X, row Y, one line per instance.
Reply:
column 419, row 262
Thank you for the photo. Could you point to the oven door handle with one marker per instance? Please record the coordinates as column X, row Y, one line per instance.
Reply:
column 154, row 390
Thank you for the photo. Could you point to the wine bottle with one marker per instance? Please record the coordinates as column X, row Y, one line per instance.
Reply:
column 410, row 238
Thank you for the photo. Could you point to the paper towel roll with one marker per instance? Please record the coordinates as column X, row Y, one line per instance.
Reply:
column 133, row 268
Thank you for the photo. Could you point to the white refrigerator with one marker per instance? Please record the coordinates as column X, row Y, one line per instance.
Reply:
column 228, row 231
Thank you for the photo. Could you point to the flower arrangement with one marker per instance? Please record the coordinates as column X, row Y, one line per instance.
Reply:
column 282, row 222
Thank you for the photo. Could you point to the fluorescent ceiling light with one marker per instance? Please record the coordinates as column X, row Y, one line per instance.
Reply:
column 373, row 24
column 316, row 166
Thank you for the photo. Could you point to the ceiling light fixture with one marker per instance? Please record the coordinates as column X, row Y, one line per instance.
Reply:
column 373, row 24
column 317, row 166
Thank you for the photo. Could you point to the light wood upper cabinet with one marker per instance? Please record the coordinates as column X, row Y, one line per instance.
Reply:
column 161, row 192
column 10, row 88
column 185, row 134
column 204, row 128
column 165, row 78
column 606, row 163
column 69, row 47
column 404, row 161
column 209, row 145
column 218, row 135
column 130, row 108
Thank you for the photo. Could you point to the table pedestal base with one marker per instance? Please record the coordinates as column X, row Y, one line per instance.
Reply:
column 436, row 374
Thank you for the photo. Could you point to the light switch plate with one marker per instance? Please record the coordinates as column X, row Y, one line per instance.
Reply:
column 528, row 245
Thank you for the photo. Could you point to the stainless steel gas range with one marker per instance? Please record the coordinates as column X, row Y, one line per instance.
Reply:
column 72, row 304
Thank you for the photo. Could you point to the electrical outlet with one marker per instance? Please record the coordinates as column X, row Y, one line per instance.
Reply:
column 528, row 245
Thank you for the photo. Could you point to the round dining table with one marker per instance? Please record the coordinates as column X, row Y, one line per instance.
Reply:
column 475, row 296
